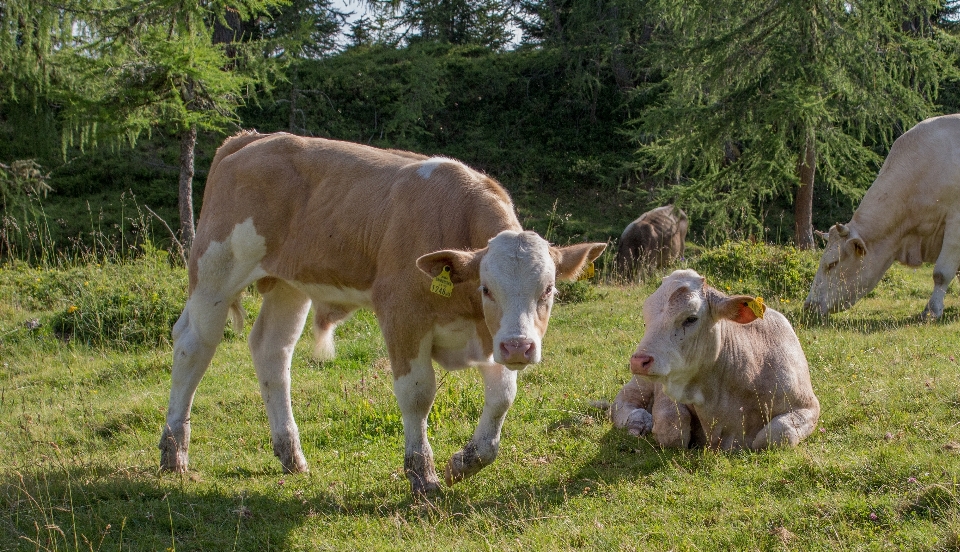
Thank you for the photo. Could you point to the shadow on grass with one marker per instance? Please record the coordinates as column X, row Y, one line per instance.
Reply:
column 870, row 322
column 89, row 509
column 96, row 507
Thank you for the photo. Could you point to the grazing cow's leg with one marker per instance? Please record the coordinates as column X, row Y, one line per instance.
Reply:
column 196, row 335
column 632, row 405
column 787, row 429
column 500, row 389
column 945, row 270
column 671, row 421
column 415, row 390
column 272, row 341
column 325, row 320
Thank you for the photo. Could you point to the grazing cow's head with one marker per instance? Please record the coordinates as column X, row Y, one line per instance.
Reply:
column 847, row 272
column 680, row 318
column 517, row 273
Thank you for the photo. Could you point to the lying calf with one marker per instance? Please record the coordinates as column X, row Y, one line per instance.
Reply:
column 716, row 370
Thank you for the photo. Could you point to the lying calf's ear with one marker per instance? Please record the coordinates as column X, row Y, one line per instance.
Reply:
column 737, row 308
column 464, row 265
column 571, row 259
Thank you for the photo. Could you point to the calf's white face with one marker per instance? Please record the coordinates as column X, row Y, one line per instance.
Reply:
column 517, row 274
column 681, row 336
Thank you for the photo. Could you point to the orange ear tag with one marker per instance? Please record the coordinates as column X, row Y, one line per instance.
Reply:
column 587, row 273
column 442, row 284
column 757, row 306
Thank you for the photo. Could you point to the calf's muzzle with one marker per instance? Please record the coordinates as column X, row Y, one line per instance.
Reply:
column 640, row 364
column 517, row 351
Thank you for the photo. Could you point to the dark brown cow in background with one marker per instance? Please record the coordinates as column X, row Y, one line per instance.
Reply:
column 654, row 240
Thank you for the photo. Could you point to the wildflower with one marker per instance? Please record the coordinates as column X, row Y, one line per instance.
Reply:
column 873, row 516
column 911, row 480
column 72, row 309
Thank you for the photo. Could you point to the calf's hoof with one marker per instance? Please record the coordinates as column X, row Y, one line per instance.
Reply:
column 463, row 464
column 422, row 475
column 639, row 422
column 173, row 457
column 290, row 455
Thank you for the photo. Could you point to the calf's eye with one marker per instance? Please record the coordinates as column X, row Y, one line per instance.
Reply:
column 832, row 265
column 485, row 291
column 547, row 293
column 690, row 321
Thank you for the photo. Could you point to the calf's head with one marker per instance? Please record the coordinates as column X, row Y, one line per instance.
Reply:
column 681, row 320
column 516, row 275
column 847, row 272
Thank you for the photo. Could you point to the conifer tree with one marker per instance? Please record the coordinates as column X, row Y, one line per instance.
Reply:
column 761, row 99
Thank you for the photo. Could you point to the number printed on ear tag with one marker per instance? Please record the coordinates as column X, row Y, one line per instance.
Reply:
column 442, row 284
column 587, row 273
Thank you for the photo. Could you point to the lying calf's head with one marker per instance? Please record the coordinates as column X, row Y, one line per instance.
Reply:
column 517, row 273
column 681, row 317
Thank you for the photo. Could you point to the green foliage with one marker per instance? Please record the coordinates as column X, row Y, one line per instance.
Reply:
column 776, row 273
column 123, row 305
column 578, row 291
column 748, row 86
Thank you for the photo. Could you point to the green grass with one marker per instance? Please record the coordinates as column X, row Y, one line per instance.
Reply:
column 80, row 423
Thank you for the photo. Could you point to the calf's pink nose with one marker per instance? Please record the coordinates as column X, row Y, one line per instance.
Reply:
column 640, row 364
column 517, row 351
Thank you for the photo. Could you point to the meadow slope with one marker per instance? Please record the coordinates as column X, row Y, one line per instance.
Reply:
column 80, row 422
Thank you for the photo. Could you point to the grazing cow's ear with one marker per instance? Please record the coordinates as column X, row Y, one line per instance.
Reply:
column 571, row 259
column 854, row 246
column 736, row 308
column 464, row 265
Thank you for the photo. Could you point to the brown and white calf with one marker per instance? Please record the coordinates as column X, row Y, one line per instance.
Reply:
column 708, row 371
column 344, row 226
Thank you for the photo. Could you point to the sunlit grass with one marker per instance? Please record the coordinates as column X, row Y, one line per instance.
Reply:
column 78, row 462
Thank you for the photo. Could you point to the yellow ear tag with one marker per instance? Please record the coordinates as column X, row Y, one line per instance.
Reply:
column 757, row 306
column 587, row 273
column 442, row 284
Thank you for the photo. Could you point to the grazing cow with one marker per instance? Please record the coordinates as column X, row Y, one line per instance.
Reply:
column 654, row 240
column 708, row 371
column 910, row 214
column 432, row 246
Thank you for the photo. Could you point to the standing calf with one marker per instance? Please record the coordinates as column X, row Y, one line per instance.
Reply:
column 708, row 371
column 345, row 226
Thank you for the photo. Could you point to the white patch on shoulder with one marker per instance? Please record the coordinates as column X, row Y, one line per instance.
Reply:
column 427, row 167
column 233, row 263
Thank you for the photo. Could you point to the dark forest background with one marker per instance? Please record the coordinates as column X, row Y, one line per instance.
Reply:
column 589, row 112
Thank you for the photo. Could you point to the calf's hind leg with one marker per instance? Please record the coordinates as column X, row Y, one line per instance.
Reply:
column 787, row 429
column 196, row 335
column 272, row 341
column 325, row 319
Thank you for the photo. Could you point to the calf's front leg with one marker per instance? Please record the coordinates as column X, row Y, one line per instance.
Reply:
column 944, row 270
column 672, row 421
column 415, row 386
column 632, row 406
column 499, row 391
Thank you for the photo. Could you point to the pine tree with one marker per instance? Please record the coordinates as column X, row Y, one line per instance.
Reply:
column 761, row 98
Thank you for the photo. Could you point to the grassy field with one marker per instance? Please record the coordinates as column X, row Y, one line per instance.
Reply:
column 80, row 419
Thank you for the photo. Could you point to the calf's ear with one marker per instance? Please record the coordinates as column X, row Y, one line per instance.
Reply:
column 571, row 259
column 736, row 308
column 464, row 265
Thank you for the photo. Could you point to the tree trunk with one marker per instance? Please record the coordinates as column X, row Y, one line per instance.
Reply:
column 188, row 141
column 803, row 206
